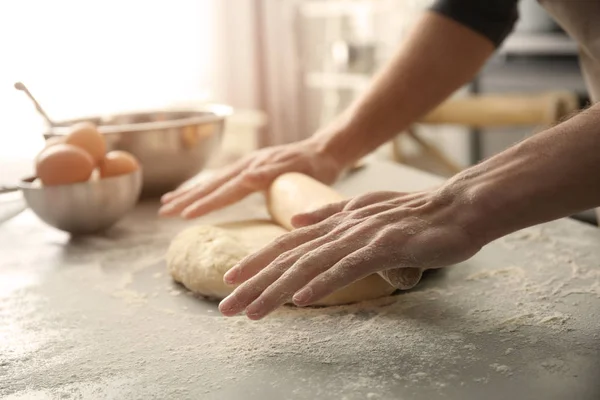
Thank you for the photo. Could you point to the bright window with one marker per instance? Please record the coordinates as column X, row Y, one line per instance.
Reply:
column 83, row 57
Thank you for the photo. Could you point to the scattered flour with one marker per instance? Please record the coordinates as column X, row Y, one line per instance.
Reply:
column 553, row 365
column 92, row 330
column 502, row 369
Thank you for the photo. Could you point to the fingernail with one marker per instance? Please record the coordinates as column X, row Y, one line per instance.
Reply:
column 166, row 209
column 231, row 275
column 254, row 317
column 253, row 313
column 188, row 214
column 303, row 296
column 227, row 305
column 165, row 197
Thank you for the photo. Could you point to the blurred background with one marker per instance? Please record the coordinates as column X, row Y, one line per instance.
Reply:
column 286, row 66
column 89, row 57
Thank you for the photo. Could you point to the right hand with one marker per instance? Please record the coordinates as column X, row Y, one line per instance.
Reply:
column 251, row 174
column 343, row 242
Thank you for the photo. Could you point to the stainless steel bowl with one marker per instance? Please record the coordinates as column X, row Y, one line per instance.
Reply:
column 87, row 207
column 172, row 146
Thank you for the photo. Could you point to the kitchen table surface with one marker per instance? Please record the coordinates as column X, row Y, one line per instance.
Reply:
column 99, row 318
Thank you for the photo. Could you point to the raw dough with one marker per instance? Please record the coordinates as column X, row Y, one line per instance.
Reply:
column 198, row 257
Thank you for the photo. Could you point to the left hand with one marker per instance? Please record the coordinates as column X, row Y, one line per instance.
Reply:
column 346, row 241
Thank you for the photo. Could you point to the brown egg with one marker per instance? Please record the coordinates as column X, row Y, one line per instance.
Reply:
column 118, row 163
column 54, row 140
column 86, row 136
column 63, row 164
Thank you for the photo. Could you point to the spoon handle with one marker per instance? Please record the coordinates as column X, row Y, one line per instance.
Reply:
column 20, row 86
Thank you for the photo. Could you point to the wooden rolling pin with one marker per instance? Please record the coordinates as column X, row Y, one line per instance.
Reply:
column 295, row 193
column 504, row 110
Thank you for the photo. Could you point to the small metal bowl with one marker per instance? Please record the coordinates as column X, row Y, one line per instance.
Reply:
column 172, row 146
column 87, row 207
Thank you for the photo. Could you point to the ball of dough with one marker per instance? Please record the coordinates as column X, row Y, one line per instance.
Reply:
column 198, row 257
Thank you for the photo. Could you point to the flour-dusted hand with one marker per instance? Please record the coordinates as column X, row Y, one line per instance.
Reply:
column 251, row 174
column 346, row 241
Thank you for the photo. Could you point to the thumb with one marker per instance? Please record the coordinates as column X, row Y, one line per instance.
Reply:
column 318, row 215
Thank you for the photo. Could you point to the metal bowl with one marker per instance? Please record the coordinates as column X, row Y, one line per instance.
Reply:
column 172, row 146
column 87, row 207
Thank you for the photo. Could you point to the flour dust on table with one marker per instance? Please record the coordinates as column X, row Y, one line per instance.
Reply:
column 98, row 318
column 199, row 256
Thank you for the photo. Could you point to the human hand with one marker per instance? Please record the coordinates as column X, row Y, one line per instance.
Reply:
column 346, row 241
column 251, row 174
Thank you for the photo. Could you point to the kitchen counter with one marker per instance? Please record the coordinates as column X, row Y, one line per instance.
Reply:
column 99, row 318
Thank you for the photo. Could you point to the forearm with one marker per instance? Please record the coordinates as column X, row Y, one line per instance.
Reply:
column 548, row 176
column 438, row 57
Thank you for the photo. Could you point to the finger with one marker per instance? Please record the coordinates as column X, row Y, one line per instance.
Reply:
column 235, row 190
column 267, row 274
column 229, row 193
column 264, row 276
column 360, row 208
column 316, row 216
column 373, row 209
column 349, row 269
column 180, row 191
column 167, row 197
column 370, row 198
column 184, row 198
column 254, row 263
column 244, row 294
column 356, row 203
column 305, row 269
column 228, row 173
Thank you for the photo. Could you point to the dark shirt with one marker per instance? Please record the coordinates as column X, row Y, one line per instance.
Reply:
column 493, row 19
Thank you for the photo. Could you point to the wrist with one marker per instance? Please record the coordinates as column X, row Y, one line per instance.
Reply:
column 338, row 142
column 499, row 196
column 465, row 211
column 485, row 203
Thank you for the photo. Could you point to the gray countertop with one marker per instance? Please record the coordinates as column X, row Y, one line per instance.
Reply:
column 99, row 318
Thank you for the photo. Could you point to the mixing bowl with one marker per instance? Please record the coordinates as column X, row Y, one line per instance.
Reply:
column 86, row 207
column 172, row 146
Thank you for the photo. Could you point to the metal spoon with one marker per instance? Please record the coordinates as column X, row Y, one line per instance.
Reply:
column 20, row 86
